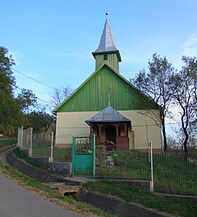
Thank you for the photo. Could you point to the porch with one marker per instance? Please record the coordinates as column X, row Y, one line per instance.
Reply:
column 111, row 129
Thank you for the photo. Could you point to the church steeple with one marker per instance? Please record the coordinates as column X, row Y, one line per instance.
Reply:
column 107, row 51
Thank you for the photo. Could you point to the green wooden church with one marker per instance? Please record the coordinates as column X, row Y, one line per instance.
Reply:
column 109, row 106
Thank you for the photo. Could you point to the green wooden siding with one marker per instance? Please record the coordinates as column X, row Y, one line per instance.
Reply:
column 112, row 60
column 93, row 94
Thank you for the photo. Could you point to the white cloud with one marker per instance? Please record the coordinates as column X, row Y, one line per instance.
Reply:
column 190, row 46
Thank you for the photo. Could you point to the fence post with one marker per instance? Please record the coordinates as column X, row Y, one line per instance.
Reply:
column 20, row 137
column 30, row 143
column 151, row 166
column 93, row 155
column 73, row 155
column 51, row 157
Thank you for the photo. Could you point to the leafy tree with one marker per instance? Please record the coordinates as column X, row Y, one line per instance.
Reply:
column 183, row 88
column 26, row 99
column 8, row 106
column 155, row 84
column 41, row 121
column 59, row 95
column 11, row 109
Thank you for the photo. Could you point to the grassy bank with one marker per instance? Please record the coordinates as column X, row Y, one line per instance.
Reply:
column 132, row 194
column 172, row 173
column 7, row 142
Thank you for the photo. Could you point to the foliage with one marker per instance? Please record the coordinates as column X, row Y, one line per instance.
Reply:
column 155, row 85
column 41, row 121
column 8, row 105
column 11, row 108
column 183, row 86
column 26, row 99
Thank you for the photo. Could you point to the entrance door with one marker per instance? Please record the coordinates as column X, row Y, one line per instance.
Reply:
column 110, row 137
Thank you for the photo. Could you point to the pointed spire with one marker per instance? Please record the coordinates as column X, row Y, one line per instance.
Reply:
column 107, row 53
column 107, row 42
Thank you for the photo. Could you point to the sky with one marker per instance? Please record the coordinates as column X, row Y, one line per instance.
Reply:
column 52, row 40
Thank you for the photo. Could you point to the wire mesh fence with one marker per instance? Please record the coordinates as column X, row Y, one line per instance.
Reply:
column 173, row 173
column 41, row 145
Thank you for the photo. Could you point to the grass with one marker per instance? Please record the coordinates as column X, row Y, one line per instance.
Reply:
column 32, row 161
column 174, row 174
column 7, row 142
column 128, row 164
column 132, row 194
column 53, row 195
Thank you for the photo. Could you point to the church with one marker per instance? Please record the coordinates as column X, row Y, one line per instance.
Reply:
column 109, row 106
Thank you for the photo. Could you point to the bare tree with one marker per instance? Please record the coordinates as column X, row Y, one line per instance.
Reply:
column 59, row 95
column 183, row 88
column 155, row 84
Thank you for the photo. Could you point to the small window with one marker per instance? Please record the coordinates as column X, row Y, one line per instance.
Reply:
column 105, row 57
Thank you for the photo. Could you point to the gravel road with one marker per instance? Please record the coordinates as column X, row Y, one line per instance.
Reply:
column 18, row 202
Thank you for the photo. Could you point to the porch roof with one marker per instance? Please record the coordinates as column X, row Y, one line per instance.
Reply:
column 108, row 115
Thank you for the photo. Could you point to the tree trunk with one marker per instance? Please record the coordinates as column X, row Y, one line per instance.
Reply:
column 164, row 137
column 184, row 127
column 162, row 116
column 185, row 142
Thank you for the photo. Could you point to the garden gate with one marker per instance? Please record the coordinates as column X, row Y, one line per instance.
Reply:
column 83, row 155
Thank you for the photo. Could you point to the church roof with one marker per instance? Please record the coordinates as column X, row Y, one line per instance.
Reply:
column 108, row 114
column 107, row 42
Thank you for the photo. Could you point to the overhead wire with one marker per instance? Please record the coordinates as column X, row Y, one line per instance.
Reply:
column 35, row 80
column 36, row 96
column 40, row 82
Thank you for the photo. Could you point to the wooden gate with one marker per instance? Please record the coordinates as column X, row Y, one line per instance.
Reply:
column 83, row 155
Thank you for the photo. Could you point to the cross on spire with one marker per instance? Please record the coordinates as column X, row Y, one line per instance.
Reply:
column 106, row 13
column 108, row 99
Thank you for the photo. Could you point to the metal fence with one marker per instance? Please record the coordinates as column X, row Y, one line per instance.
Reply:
column 41, row 145
column 172, row 172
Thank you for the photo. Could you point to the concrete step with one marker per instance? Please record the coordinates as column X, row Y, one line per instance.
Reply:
column 64, row 189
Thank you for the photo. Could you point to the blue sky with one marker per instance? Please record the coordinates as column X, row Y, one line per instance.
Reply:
column 51, row 41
